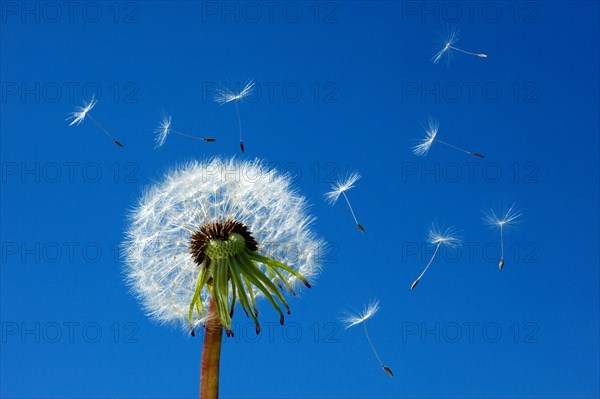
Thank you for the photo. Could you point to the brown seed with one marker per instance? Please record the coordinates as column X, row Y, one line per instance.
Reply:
column 242, row 147
column 414, row 284
column 360, row 227
column 387, row 370
column 477, row 155
column 210, row 140
column 118, row 143
column 501, row 264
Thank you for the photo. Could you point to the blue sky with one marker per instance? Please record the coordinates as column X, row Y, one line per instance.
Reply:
column 341, row 86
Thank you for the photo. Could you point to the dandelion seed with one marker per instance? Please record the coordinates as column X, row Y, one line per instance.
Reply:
column 339, row 188
column 351, row 320
column 164, row 129
column 226, row 95
column 449, row 43
column 502, row 220
column 438, row 237
column 431, row 136
column 81, row 113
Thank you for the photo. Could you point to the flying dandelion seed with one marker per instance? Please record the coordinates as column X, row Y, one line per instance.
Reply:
column 226, row 95
column 431, row 136
column 438, row 237
column 502, row 220
column 351, row 320
column 164, row 129
column 81, row 113
column 339, row 188
column 449, row 43
column 206, row 236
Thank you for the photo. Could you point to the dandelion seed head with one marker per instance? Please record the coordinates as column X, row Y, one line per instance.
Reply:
column 225, row 95
column 443, row 236
column 353, row 319
column 425, row 144
column 81, row 112
column 162, row 131
column 159, row 265
column 502, row 219
column 341, row 186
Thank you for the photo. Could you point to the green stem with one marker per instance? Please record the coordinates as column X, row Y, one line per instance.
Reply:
column 211, row 354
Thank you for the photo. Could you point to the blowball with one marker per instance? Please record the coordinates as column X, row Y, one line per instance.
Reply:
column 192, row 215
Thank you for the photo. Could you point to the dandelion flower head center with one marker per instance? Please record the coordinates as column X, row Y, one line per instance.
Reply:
column 228, row 256
column 221, row 240
column 225, row 249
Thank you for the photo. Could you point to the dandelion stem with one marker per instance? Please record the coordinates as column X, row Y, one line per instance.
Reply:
column 501, row 243
column 501, row 263
column 371, row 343
column 211, row 354
column 191, row 136
column 237, row 110
column 352, row 212
column 453, row 146
column 104, row 130
column 429, row 264
column 386, row 368
column 468, row 52
column 460, row 149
